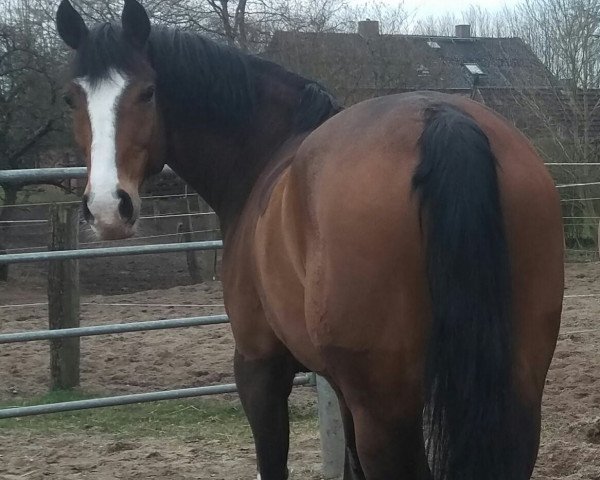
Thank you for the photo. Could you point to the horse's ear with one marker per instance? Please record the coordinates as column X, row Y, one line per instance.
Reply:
column 136, row 24
column 70, row 25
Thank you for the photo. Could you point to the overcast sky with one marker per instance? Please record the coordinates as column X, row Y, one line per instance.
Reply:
column 424, row 8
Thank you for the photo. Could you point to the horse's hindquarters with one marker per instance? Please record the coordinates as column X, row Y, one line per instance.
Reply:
column 367, row 296
column 342, row 254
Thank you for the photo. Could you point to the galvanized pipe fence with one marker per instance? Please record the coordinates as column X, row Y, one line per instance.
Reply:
column 119, row 400
column 329, row 417
column 25, row 175
column 108, row 252
column 36, row 335
column 330, row 421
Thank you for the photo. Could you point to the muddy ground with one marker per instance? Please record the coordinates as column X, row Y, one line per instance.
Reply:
column 139, row 362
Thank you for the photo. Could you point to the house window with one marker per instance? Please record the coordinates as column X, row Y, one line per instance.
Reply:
column 473, row 69
column 422, row 71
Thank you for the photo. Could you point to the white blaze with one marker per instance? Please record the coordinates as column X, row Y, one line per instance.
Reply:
column 102, row 102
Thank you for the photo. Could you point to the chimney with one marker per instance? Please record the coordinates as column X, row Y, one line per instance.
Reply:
column 462, row 31
column 368, row 28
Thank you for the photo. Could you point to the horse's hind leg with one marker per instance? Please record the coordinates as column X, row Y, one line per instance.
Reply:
column 352, row 468
column 264, row 386
column 527, row 425
column 391, row 449
column 389, row 433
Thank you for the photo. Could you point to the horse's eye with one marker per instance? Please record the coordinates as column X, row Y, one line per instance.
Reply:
column 147, row 94
column 68, row 99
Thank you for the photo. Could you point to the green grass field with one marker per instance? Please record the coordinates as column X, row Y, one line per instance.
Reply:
column 199, row 418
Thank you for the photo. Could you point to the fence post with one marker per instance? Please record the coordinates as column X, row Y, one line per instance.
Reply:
column 331, row 430
column 184, row 235
column 156, row 213
column 3, row 267
column 63, row 297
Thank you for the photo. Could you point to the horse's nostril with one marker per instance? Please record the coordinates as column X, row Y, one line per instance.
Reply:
column 86, row 211
column 125, row 205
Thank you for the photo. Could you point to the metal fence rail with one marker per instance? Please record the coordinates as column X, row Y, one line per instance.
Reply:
column 306, row 379
column 109, row 251
column 112, row 328
column 41, row 174
column 50, row 174
column 19, row 176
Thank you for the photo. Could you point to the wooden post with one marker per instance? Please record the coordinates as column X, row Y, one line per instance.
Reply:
column 63, row 297
column 597, row 244
column 210, row 223
column 195, row 260
column 156, row 213
column 3, row 267
column 331, row 430
column 184, row 235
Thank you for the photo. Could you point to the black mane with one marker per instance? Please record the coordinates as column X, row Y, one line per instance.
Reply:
column 198, row 77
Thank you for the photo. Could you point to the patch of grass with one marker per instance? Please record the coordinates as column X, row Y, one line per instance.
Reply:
column 581, row 256
column 198, row 418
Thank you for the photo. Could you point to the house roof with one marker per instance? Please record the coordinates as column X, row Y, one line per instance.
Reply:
column 349, row 62
column 502, row 73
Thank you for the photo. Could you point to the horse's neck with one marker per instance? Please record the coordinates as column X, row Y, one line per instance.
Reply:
column 223, row 166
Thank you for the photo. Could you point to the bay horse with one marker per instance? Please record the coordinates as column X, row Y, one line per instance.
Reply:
column 409, row 248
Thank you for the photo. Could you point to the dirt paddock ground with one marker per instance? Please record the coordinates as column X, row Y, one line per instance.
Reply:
column 139, row 362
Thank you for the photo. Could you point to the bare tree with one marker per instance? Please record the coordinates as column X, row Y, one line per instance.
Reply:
column 29, row 88
column 571, row 50
column 392, row 18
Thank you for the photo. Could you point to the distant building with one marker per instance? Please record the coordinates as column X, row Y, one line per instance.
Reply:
column 502, row 73
column 367, row 63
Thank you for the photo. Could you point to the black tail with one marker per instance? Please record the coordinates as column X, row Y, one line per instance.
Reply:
column 468, row 378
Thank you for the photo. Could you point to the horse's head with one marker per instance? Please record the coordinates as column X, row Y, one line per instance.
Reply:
column 115, row 118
